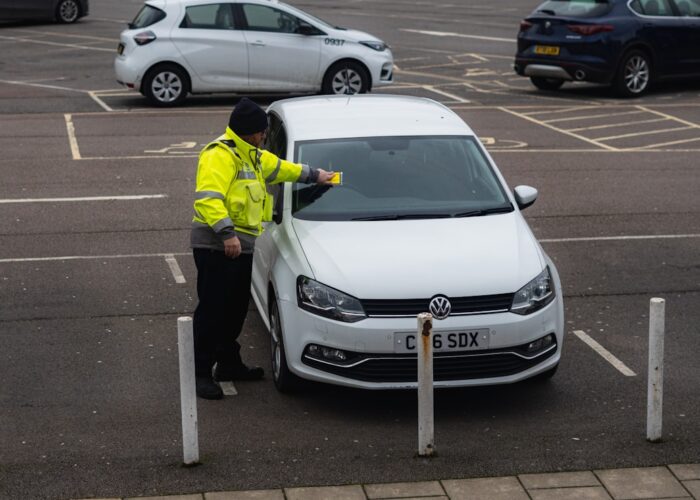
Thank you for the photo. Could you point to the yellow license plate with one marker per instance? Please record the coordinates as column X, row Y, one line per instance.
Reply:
column 546, row 50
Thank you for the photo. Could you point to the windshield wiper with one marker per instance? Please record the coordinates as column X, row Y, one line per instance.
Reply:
column 403, row 217
column 485, row 211
column 548, row 11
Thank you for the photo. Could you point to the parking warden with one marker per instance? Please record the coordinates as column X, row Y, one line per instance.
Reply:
column 231, row 202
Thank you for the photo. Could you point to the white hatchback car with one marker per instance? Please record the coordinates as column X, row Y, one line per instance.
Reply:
column 176, row 47
column 423, row 221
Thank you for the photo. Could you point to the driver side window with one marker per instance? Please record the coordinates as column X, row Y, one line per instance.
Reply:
column 264, row 18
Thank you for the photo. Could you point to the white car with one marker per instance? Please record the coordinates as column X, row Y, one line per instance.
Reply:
column 422, row 222
column 176, row 47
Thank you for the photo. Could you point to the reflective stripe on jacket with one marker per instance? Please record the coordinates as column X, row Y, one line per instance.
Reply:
column 231, row 195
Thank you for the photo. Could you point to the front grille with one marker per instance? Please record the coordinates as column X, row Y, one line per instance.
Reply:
column 446, row 366
column 460, row 305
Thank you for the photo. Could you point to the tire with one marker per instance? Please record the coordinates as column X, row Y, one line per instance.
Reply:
column 285, row 381
column 166, row 85
column 67, row 11
column 546, row 83
column 346, row 78
column 633, row 76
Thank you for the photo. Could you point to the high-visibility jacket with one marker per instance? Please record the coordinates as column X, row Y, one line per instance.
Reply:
column 231, row 197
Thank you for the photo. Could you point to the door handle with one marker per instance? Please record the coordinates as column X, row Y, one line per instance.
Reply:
column 258, row 43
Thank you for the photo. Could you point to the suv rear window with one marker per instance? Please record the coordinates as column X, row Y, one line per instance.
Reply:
column 574, row 8
column 146, row 17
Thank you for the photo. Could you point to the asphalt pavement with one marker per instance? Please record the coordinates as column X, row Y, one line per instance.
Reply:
column 95, row 269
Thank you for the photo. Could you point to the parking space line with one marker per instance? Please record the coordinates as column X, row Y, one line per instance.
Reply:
column 551, row 127
column 175, row 268
column 562, row 110
column 72, row 140
column 670, row 117
column 672, row 143
column 589, row 117
column 637, row 134
column 605, row 354
column 84, row 198
column 228, row 388
column 619, row 238
column 430, row 88
column 56, row 44
column 612, row 125
column 92, row 257
column 66, row 35
column 459, row 35
column 99, row 101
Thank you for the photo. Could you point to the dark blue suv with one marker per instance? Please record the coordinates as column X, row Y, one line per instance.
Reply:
column 626, row 43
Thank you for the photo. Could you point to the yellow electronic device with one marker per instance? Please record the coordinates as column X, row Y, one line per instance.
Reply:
column 337, row 178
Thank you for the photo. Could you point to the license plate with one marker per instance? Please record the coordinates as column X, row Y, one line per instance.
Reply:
column 465, row 340
column 547, row 50
column 120, row 49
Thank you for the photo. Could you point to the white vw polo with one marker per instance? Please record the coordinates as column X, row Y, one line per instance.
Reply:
column 176, row 47
column 422, row 221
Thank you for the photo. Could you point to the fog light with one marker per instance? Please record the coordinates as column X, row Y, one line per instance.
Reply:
column 313, row 350
column 540, row 344
column 320, row 352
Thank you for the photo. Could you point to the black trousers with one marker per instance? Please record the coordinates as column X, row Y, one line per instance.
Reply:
column 223, row 288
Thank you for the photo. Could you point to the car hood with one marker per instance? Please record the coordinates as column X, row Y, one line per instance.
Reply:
column 421, row 258
column 355, row 35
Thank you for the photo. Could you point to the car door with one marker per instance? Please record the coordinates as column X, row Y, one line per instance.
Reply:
column 34, row 9
column 280, row 57
column 266, row 250
column 661, row 29
column 213, row 48
column 689, row 34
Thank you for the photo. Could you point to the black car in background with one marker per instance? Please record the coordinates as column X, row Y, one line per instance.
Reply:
column 62, row 11
column 626, row 43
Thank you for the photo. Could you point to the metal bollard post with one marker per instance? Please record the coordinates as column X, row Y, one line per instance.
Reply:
column 426, row 443
column 655, row 388
column 188, row 396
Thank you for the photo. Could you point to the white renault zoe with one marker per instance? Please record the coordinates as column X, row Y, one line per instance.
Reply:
column 422, row 222
column 176, row 47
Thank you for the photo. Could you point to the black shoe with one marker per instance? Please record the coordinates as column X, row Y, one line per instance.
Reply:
column 208, row 389
column 242, row 372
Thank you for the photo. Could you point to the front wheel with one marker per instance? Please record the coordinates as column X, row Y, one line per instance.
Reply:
column 67, row 11
column 166, row 85
column 346, row 77
column 546, row 83
column 284, row 379
column 634, row 74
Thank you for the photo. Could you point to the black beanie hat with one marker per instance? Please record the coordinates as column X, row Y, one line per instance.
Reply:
column 247, row 118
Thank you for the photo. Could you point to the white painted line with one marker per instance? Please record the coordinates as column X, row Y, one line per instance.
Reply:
column 611, row 125
column 99, row 101
column 460, row 35
column 637, row 134
column 66, row 45
column 620, row 238
column 84, row 198
column 569, row 118
column 140, row 157
column 462, row 100
column 67, row 35
column 228, row 388
column 72, row 140
column 91, row 257
column 175, row 269
column 683, row 141
column 544, row 124
column 562, row 110
column 605, row 354
column 670, row 117
column 43, row 86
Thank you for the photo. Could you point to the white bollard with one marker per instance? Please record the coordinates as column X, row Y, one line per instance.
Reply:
column 188, row 395
column 656, row 369
column 424, row 339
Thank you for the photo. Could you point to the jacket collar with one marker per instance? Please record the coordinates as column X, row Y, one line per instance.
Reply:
column 244, row 149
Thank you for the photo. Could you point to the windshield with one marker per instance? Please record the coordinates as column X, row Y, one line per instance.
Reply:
column 399, row 178
column 574, row 8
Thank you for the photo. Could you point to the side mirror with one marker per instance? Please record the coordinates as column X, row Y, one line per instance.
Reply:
column 525, row 196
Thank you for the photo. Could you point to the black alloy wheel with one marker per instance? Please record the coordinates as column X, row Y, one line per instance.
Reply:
column 285, row 380
column 67, row 11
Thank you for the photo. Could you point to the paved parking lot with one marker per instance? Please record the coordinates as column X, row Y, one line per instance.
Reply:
column 95, row 269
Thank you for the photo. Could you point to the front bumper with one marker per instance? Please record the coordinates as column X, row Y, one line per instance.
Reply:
column 373, row 364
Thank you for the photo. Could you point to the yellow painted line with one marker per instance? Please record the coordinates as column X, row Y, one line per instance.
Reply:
column 561, row 110
column 545, row 124
column 74, row 149
column 430, row 88
column 596, row 127
column 683, row 141
column 670, row 117
column 99, row 101
column 589, row 117
column 637, row 134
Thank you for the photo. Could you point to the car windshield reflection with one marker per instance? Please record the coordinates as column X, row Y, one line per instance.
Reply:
column 395, row 178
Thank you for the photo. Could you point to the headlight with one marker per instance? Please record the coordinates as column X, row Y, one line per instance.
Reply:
column 378, row 46
column 326, row 301
column 535, row 295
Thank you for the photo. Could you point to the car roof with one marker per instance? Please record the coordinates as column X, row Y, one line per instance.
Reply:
column 326, row 117
column 199, row 2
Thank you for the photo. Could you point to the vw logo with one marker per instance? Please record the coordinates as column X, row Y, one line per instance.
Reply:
column 440, row 307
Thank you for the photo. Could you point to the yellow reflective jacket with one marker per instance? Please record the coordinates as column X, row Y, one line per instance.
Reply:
column 231, row 195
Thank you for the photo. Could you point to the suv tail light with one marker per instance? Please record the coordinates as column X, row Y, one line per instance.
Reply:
column 590, row 29
column 144, row 37
column 525, row 25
